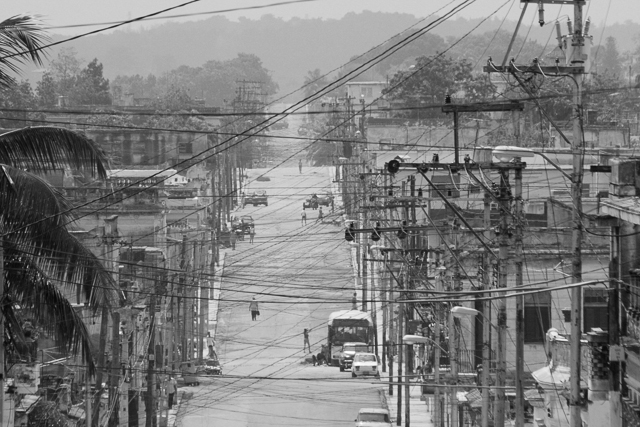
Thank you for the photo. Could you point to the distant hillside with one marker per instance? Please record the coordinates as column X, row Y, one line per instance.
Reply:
column 288, row 48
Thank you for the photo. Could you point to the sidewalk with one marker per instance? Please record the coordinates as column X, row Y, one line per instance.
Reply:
column 420, row 414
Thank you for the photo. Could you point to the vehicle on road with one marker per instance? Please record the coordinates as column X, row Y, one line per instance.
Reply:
column 257, row 198
column 189, row 373
column 325, row 200
column 213, row 367
column 310, row 203
column 244, row 224
column 373, row 417
column 365, row 364
column 349, row 350
column 347, row 326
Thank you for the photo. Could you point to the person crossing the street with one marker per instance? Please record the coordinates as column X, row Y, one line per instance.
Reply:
column 253, row 307
column 320, row 215
column 306, row 344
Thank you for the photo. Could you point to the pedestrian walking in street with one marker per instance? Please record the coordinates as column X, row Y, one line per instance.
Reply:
column 171, row 391
column 332, row 205
column 232, row 239
column 354, row 301
column 211, row 343
column 253, row 307
column 306, row 344
column 304, row 217
column 252, row 233
column 320, row 215
column 300, row 165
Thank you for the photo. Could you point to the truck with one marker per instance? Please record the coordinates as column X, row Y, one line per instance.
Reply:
column 347, row 326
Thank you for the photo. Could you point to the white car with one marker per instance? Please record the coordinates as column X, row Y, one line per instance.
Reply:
column 373, row 417
column 365, row 364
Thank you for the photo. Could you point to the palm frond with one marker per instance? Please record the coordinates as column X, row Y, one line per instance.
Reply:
column 27, row 289
column 47, row 148
column 33, row 220
column 21, row 40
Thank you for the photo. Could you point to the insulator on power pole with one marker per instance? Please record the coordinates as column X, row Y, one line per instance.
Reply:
column 447, row 99
column 393, row 166
column 349, row 235
column 435, row 158
column 375, row 235
column 587, row 25
column 541, row 14
column 419, row 192
column 570, row 26
column 559, row 34
column 390, row 193
column 402, row 233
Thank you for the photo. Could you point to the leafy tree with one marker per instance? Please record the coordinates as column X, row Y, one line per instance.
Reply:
column 46, row 91
column 313, row 82
column 91, row 88
column 427, row 83
column 65, row 70
column 15, row 101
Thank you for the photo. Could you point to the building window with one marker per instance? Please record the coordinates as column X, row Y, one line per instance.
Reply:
column 595, row 311
column 537, row 317
column 185, row 148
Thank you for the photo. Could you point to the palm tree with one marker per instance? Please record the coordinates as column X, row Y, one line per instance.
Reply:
column 39, row 255
column 21, row 40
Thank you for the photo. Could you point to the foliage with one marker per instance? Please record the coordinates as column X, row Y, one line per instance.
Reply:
column 46, row 91
column 214, row 81
column 21, row 39
column 314, row 81
column 91, row 88
column 426, row 84
column 18, row 97
column 606, row 59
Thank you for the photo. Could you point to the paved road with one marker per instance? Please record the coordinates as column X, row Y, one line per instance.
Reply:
column 299, row 275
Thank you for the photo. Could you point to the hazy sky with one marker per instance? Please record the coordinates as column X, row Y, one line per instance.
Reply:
column 69, row 12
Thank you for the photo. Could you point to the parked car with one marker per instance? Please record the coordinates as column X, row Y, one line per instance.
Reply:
column 256, row 198
column 365, row 364
column 373, row 417
column 349, row 350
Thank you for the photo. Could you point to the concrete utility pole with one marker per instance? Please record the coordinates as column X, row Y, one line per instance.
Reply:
column 576, row 190
column 437, row 410
column 486, row 318
column 150, row 404
column 519, row 403
column 400, row 361
column 501, row 365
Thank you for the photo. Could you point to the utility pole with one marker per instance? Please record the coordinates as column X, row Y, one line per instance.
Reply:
column 183, row 266
column 486, row 318
column 400, row 361
column 576, row 189
column 437, row 410
column 519, row 403
column 150, row 404
column 501, row 365
column 2, row 370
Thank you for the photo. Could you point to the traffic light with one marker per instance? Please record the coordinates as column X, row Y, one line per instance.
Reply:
column 375, row 236
column 348, row 233
column 393, row 166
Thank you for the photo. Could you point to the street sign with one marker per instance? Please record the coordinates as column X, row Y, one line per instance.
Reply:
column 616, row 353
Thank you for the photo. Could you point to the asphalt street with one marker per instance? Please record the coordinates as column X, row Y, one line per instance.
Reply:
column 299, row 275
